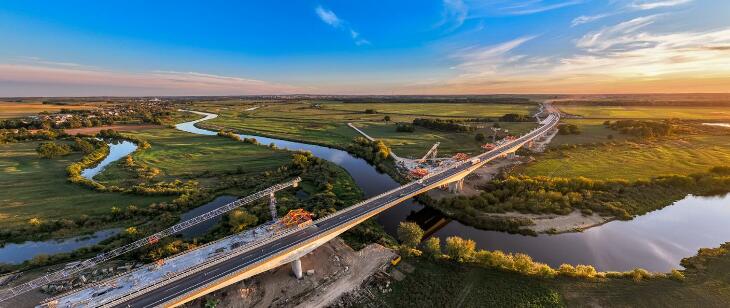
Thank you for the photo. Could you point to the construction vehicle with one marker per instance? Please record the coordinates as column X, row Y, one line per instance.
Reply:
column 395, row 260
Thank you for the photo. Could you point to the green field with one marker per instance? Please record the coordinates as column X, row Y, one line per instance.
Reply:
column 36, row 187
column 416, row 144
column 456, row 110
column 632, row 161
column 445, row 284
column 188, row 156
column 646, row 112
column 592, row 131
column 326, row 123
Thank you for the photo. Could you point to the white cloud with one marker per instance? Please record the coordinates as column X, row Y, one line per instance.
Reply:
column 653, row 4
column 616, row 36
column 537, row 6
column 329, row 17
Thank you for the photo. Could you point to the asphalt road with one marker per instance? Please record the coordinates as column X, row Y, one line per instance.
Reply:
column 165, row 293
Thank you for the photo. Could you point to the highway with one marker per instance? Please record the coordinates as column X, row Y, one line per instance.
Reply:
column 339, row 222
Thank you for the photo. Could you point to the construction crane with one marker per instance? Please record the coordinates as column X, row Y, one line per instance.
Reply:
column 149, row 240
column 432, row 152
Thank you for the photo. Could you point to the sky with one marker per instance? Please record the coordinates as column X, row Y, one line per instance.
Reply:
column 155, row 48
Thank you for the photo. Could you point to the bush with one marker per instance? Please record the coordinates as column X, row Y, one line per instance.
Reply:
column 432, row 247
column 479, row 137
column 371, row 111
column 443, row 125
column 410, row 234
column 676, row 275
column 52, row 149
column 459, row 249
column 404, row 127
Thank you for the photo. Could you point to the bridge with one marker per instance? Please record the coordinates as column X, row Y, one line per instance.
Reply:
column 288, row 246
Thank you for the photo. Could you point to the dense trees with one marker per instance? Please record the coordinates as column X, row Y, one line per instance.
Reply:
column 513, row 117
column 479, row 137
column 52, row 149
column 568, row 129
column 443, row 125
column 239, row 220
column 643, row 129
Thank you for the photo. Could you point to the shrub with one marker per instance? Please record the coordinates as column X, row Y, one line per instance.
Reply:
column 432, row 247
column 676, row 275
column 459, row 249
column 52, row 149
column 410, row 234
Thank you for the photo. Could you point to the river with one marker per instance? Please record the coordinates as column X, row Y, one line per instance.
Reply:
column 656, row 241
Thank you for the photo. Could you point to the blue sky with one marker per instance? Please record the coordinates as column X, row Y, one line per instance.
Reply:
column 363, row 47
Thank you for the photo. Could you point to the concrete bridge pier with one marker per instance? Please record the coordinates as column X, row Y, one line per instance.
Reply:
column 511, row 155
column 296, row 267
column 456, row 186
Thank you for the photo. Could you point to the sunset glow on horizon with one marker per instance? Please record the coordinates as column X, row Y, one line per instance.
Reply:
column 329, row 47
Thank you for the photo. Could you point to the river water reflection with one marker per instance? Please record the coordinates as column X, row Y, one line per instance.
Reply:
column 656, row 241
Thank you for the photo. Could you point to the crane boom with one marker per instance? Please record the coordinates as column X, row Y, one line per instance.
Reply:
column 154, row 238
column 431, row 151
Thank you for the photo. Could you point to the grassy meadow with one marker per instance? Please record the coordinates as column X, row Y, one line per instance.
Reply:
column 634, row 161
column 36, row 187
column 326, row 123
column 182, row 155
column 416, row 144
column 647, row 112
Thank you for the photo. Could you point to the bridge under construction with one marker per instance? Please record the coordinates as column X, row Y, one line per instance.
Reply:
column 216, row 265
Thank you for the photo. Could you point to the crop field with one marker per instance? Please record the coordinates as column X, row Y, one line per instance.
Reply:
column 183, row 155
column 647, row 112
column 326, row 122
column 416, row 144
column 36, row 187
column 632, row 161
column 16, row 110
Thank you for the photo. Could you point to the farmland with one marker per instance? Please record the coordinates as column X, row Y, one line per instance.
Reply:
column 21, row 109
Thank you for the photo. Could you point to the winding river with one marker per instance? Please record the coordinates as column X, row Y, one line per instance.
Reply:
column 656, row 241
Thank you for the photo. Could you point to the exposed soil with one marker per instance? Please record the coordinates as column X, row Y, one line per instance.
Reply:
column 337, row 270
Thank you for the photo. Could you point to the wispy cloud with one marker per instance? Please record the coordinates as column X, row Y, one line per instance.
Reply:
column 630, row 56
column 537, row 6
column 654, row 4
column 329, row 17
column 584, row 19
column 454, row 14
column 85, row 81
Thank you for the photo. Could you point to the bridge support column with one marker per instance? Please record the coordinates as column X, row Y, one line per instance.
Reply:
column 511, row 155
column 456, row 186
column 296, row 267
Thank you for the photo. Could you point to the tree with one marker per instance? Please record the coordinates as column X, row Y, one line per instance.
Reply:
column 52, row 149
column 479, row 137
column 35, row 222
column 239, row 220
column 386, row 118
column 82, row 145
column 370, row 111
column 459, row 249
column 410, row 234
column 432, row 247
